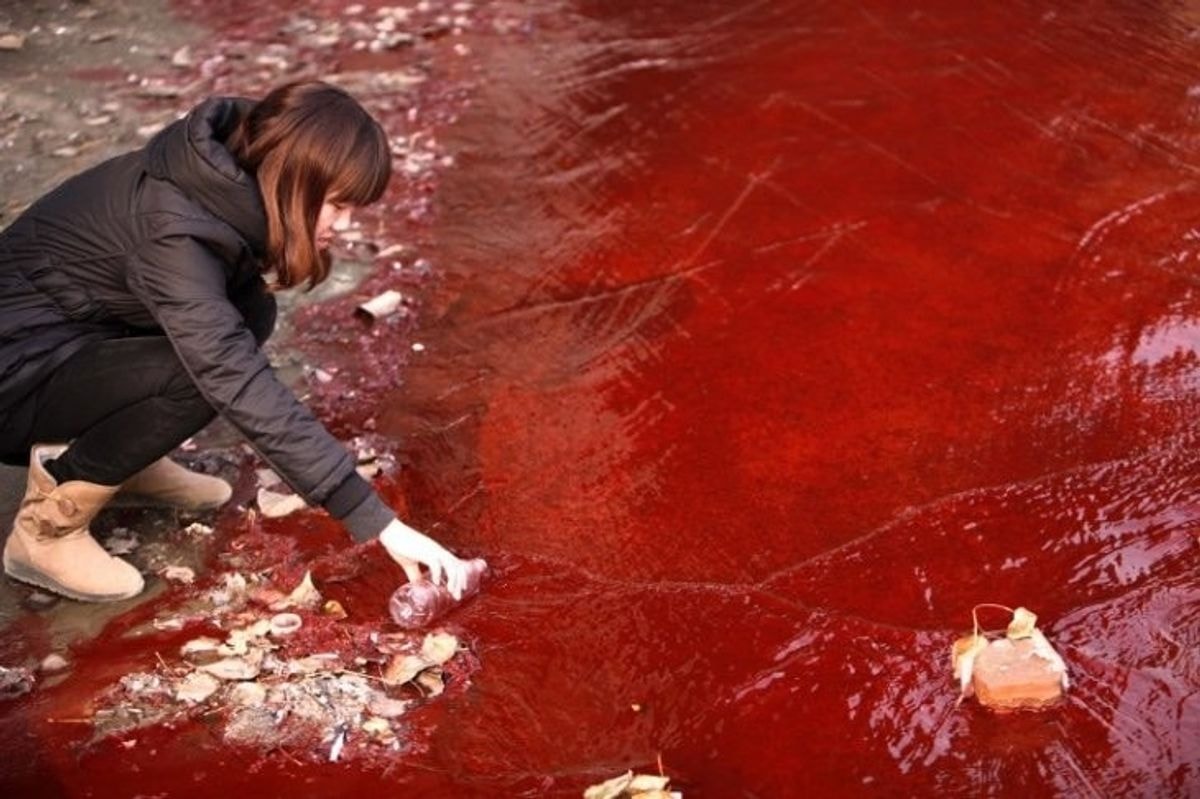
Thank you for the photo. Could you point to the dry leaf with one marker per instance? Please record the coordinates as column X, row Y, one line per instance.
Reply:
column 431, row 680
column 1043, row 649
column 379, row 730
column 1022, row 625
column 305, row 594
column 648, row 782
column 610, row 789
column 274, row 505
column 403, row 668
column 439, row 647
column 963, row 659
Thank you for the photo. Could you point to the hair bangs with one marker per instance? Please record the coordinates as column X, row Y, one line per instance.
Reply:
column 363, row 176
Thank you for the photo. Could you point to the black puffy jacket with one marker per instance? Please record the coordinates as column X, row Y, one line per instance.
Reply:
column 169, row 239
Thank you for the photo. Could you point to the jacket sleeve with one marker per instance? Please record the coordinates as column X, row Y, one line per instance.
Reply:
column 258, row 308
column 182, row 283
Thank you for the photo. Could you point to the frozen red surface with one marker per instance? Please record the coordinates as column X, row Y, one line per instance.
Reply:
column 765, row 341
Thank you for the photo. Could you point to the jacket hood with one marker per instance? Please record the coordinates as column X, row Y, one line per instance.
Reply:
column 191, row 154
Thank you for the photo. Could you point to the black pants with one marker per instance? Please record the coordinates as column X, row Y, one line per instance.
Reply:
column 123, row 403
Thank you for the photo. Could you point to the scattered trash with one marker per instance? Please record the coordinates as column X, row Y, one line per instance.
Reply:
column 39, row 600
column 121, row 542
column 274, row 505
column 382, row 305
column 339, row 740
column 53, row 663
column 234, row 668
column 196, row 528
column 1019, row 671
column 15, row 682
column 304, row 595
column 284, row 624
column 334, row 609
column 179, row 574
column 200, row 651
column 379, row 730
column 633, row 786
column 419, row 603
column 196, row 687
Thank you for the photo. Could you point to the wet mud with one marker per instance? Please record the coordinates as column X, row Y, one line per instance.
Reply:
column 757, row 346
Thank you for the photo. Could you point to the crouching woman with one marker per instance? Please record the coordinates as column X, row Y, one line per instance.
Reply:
column 134, row 300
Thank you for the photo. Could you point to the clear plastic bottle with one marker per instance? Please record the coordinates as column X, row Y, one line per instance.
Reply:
column 418, row 604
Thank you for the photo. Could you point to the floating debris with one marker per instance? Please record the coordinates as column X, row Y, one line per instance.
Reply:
column 53, row 663
column 12, row 41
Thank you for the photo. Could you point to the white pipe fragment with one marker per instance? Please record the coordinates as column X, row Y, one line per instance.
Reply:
column 383, row 305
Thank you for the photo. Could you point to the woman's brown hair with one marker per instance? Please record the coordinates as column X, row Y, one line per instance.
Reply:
column 308, row 142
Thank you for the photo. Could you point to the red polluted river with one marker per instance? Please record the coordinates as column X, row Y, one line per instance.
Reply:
column 762, row 342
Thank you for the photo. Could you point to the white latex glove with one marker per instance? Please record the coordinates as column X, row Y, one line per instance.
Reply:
column 412, row 549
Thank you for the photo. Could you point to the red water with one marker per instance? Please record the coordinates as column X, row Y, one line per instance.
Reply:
column 765, row 341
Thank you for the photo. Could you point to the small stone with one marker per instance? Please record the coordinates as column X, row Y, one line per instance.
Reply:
column 53, row 663
column 232, row 669
column 101, row 36
column 385, row 707
column 200, row 651
column 418, row 346
column 248, row 694
column 66, row 152
column 182, row 57
column 40, row 600
column 266, row 596
column 12, row 41
column 334, row 609
column 196, row 528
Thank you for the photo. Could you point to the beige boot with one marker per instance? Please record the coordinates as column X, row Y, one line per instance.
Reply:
column 50, row 545
column 166, row 483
